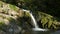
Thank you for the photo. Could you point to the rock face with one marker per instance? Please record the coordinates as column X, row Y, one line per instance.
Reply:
column 8, row 18
column 13, row 20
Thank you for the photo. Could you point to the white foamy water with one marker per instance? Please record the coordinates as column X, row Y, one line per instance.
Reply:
column 35, row 22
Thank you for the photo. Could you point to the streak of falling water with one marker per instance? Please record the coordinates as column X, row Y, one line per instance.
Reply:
column 35, row 22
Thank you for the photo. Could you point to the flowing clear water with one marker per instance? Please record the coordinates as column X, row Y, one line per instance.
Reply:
column 38, row 30
column 35, row 23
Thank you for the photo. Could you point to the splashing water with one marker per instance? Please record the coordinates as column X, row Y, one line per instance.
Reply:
column 35, row 23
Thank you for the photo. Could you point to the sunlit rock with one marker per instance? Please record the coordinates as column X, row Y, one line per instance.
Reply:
column 17, row 16
column 6, row 21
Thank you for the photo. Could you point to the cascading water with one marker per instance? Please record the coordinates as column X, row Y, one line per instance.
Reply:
column 35, row 23
column 33, row 20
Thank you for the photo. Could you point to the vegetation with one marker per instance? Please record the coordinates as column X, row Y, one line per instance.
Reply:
column 46, row 13
column 48, row 21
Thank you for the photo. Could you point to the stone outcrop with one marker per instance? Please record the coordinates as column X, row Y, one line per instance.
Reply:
column 12, row 18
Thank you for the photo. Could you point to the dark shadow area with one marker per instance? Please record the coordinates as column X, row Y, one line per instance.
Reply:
column 40, row 24
column 51, row 7
column 3, row 27
column 13, row 2
column 25, row 22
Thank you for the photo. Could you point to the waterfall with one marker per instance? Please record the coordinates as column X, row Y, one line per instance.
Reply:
column 35, row 22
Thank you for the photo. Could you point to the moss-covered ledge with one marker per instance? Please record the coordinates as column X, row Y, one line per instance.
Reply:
column 9, row 12
column 10, row 17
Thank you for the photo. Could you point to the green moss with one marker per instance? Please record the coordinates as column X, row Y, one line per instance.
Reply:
column 0, row 3
column 13, row 7
column 27, row 14
column 1, row 23
column 10, row 18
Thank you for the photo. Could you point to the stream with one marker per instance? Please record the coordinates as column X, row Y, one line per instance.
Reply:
column 38, row 30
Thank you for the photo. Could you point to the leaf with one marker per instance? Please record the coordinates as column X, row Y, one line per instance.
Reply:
column 56, row 22
column 50, row 23
column 54, row 26
column 44, row 21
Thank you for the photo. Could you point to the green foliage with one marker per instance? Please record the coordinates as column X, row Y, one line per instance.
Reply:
column 47, row 6
column 43, row 5
column 13, row 7
column 48, row 21
column 44, row 20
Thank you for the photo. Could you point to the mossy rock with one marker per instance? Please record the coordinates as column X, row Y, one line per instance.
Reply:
column 46, row 19
column 13, row 7
column 10, row 14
